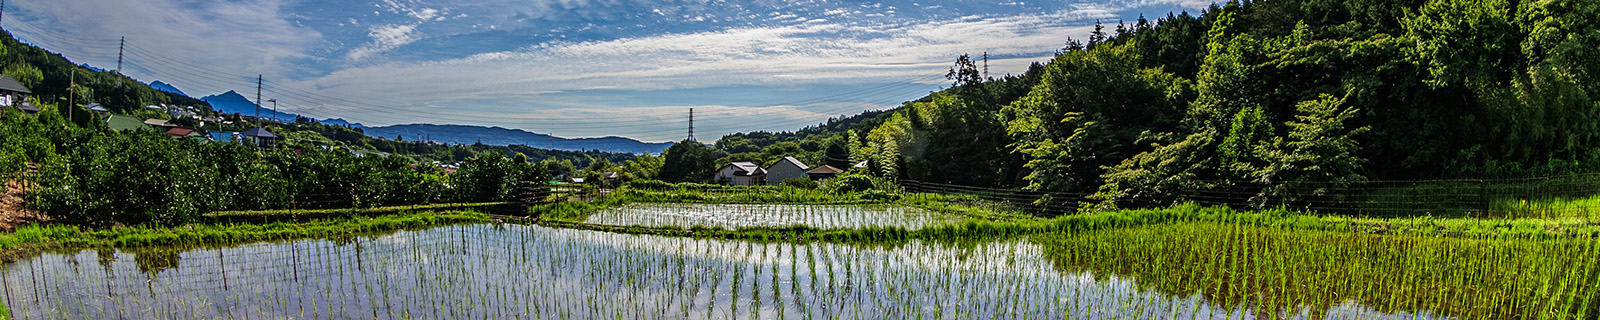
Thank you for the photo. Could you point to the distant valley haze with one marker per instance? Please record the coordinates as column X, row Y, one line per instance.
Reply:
column 571, row 69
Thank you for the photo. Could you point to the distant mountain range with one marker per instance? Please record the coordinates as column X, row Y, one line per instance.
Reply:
column 462, row 134
column 233, row 102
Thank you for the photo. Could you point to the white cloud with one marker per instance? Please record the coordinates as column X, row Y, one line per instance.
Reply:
column 385, row 38
column 802, row 53
column 807, row 52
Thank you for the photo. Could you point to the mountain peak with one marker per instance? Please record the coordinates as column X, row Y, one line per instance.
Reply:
column 340, row 122
column 168, row 88
column 227, row 96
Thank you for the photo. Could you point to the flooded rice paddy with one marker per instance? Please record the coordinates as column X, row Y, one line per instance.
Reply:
column 485, row 271
column 732, row 216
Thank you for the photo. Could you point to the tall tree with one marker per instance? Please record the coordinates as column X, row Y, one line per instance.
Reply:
column 688, row 161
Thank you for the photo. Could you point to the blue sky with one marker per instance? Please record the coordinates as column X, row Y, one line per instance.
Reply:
column 575, row 68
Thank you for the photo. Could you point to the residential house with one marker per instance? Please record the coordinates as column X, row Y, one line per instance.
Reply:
column 181, row 132
column 159, row 125
column 785, row 169
column 611, row 178
column 119, row 122
column 823, row 173
column 98, row 109
column 260, row 137
column 741, row 173
column 365, row 153
column 224, row 136
column 12, row 93
column 27, row 108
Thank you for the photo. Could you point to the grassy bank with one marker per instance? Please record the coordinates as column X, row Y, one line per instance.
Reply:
column 571, row 215
column 295, row 215
column 31, row 239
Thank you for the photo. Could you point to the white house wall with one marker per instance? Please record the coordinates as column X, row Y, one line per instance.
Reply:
column 725, row 174
column 784, row 170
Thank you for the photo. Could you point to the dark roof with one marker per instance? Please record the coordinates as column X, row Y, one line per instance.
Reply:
column 9, row 84
column 27, row 107
column 180, row 131
column 825, row 169
column 258, row 133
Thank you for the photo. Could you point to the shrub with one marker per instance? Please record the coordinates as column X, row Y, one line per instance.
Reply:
column 11, row 160
column 853, row 182
column 799, row 183
column 880, row 195
column 649, row 185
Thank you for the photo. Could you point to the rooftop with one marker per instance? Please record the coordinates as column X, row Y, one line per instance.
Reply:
column 10, row 84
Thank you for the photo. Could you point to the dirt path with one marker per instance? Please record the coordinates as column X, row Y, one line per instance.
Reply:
column 12, row 211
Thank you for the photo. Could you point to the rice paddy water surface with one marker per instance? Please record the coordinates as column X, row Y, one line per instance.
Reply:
column 511, row 271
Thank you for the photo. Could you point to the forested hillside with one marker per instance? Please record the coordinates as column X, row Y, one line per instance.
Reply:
column 1266, row 93
column 50, row 77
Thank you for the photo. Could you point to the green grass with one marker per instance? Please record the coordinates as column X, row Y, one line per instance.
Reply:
column 30, row 239
column 1570, row 196
column 1276, row 270
column 301, row 214
column 571, row 216
column 1549, row 207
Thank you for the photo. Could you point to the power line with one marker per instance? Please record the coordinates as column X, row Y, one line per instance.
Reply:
column 881, row 95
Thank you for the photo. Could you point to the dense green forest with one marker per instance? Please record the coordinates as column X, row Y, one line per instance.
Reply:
column 91, row 175
column 1258, row 95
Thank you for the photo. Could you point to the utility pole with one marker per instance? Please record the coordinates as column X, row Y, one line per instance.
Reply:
column 691, row 124
column 258, row 100
column 274, row 109
column 120, row 43
column 72, row 93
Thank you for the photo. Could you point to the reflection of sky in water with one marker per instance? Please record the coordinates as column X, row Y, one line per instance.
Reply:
column 484, row 271
column 767, row 215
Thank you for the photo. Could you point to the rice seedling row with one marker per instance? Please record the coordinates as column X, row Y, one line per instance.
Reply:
column 510, row 271
column 732, row 216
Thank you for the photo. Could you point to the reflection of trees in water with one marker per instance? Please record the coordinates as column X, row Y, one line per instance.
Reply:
column 153, row 261
column 105, row 257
